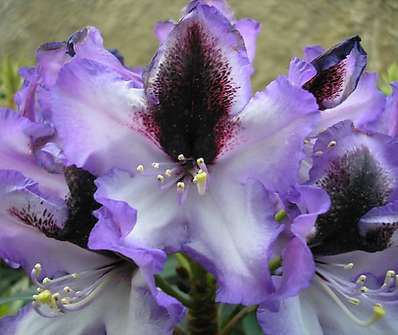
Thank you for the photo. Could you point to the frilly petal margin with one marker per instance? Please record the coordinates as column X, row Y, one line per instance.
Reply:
column 387, row 123
column 88, row 100
column 133, row 311
column 17, row 135
column 116, row 219
column 270, row 140
column 362, row 107
column 24, row 214
column 298, row 266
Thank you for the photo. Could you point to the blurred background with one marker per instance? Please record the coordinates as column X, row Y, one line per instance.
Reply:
column 287, row 26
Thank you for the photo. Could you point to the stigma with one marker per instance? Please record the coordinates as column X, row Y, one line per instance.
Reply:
column 71, row 292
column 180, row 175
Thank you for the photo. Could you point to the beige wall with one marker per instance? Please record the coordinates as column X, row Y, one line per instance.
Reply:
column 127, row 25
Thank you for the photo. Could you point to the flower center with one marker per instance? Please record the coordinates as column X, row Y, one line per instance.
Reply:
column 348, row 294
column 180, row 175
column 356, row 183
column 71, row 292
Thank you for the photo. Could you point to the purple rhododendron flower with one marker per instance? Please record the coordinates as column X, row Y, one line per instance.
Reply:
column 47, row 236
column 339, row 258
column 179, row 149
column 106, row 169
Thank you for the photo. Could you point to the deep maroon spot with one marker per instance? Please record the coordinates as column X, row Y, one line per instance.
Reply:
column 194, row 93
column 44, row 220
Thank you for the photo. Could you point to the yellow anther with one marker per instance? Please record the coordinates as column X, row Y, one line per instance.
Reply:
column 200, row 161
column 140, row 168
column 39, row 289
column 75, row 275
column 160, row 178
column 155, row 165
column 67, row 289
column 332, row 144
column 200, row 180
column 361, row 279
column 280, row 215
column 181, row 157
column 390, row 274
column 378, row 312
column 168, row 172
column 44, row 298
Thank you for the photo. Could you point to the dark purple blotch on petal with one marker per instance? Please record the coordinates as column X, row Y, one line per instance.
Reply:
column 356, row 183
column 192, row 96
column 338, row 72
column 81, row 204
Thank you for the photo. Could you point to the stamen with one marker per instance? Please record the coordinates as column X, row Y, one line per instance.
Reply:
column 59, row 298
column 181, row 157
column 140, row 168
column 160, row 178
column 378, row 310
column 200, row 180
column 201, row 164
column 155, row 165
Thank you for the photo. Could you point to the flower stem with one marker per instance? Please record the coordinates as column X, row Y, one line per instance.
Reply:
column 236, row 319
column 170, row 290
column 202, row 315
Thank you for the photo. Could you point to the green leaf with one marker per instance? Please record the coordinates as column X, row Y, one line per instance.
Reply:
column 250, row 325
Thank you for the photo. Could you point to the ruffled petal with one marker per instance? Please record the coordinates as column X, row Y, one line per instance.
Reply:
column 230, row 230
column 205, row 37
column 99, row 119
column 25, row 215
column 124, row 307
column 17, row 134
column 338, row 72
column 88, row 44
column 300, row 72
column 163, row 29
column 160, row 220
column 249, row 29
column 116, row 220
column 272, row 127
column 387, row 123
column 362, row 107
column 312, row 51
column 295, row 316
